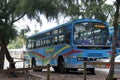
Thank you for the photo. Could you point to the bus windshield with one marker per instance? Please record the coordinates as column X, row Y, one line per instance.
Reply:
column 91, row 33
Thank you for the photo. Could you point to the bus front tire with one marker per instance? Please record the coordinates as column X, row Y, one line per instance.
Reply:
column 33, row 60
column 56, row 69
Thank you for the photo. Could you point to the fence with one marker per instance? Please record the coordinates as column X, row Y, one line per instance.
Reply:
column 26, row 71
column 38, row 77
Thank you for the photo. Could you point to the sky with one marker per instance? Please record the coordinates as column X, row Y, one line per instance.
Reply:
column 110, row 1
column 34, row 25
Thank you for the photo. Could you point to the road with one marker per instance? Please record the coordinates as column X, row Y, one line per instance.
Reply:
column 105, row 71
column 101, row 73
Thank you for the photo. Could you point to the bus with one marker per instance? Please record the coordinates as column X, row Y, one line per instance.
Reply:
column 67, row 46
column 111, row 32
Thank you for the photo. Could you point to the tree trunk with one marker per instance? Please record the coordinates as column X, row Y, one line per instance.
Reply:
column 8, row 56
column 4, row 51
column 115, row 24
column 1, row 55
column 1, row 59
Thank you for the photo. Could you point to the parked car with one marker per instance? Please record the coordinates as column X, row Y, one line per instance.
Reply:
column 117, row 59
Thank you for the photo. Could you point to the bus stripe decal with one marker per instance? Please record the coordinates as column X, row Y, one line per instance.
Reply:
column 72, row 52
column 65, row 47
column 39, row 54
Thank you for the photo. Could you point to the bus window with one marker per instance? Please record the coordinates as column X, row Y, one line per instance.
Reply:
column 47, row 42
column 61, row 39
column 68, row 37
column 61, row 30
column 48, row 34
column 56, row 40
column 88, row 33
column 29, row 45
column 41, row 43
column 55, row 32
column 34, row 44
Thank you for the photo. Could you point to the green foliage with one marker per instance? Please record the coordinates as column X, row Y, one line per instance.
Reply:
column 13, row 10
column 20, row 40
column 36, row 31
column 33, row 8
column 96, row 9
column 15, row 44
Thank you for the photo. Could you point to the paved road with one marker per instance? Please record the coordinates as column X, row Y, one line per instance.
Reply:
column 99, row 71
column 105, row 71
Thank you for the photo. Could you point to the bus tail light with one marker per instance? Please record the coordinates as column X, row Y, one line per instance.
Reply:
column 107, row 65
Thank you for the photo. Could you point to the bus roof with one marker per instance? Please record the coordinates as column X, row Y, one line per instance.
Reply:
column 70, row 22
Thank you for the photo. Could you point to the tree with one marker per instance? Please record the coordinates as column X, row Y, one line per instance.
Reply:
column 20, row 40
column 13, row 10
column 7, row 30
column 15, row 43
column 22, row 36
column 94, row 9
column 115, row 24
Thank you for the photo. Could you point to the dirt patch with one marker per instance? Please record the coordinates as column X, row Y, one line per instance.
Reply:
column 53, row 76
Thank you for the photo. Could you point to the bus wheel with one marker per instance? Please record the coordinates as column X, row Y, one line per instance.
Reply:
column 56, row 69
column 33, row 60
column 61, row 64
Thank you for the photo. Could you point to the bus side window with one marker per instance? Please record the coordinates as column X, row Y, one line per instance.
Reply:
column 68, row 37
column 34, row 45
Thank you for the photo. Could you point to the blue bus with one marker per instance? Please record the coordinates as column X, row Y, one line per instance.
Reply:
column 111, row 32
column 67, row 46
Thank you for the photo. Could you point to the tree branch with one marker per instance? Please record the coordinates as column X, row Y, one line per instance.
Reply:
column 16, row 19
column 19, row 18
